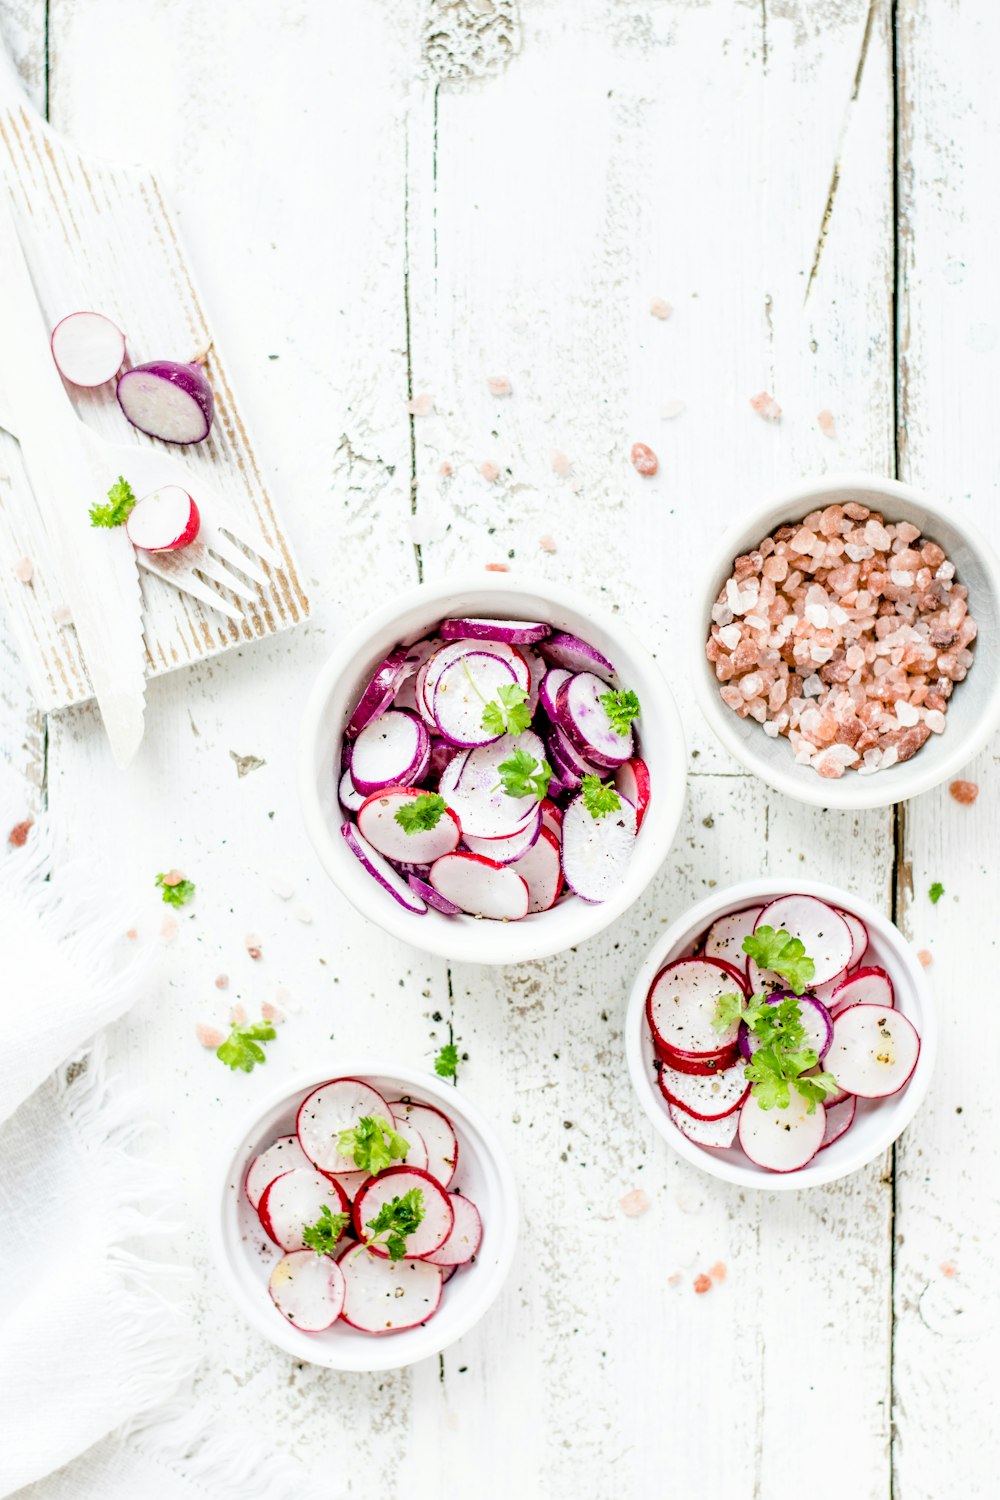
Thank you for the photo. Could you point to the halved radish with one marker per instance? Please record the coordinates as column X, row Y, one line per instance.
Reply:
column 682, row 1003
column 541, row 871
column 284, row 1154
column 462, row 692
column 513, row 632
column 859, row 937
column 378, row 824
column 596, row 851
column 308, row 1289
column 434, row 898
column 707, row 1097
column 381, row 870
column 88, row 348
column 549, row 688
column 633, row 781
column 816, row 1023
column 167, row 400
column 436, row 1224
column 351, row 799
column 438, row 1134
column 163, row 520
column 472, row 786
column 575, row 655
column 385, row 1296
column 465, row 1238
column 716, row 1134
column 821, row 929
column 703, row 1064
column 874, row 1051
column 337, row 1105
column 725, row 936
column 869, row 986
column 782, row 1140
column 552, row 817
column 393, row 750
column 380, row 692
column 295, row 1200
column 839, row 1119
column 508, row 850
column 481, row 886
column 584, row 720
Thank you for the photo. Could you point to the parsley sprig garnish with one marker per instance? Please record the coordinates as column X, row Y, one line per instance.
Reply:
column 523, row 776
column 599, row 797
column 446, row 1062
column 374, row 1143
column 936, row 892
column 117, row 512
column 621, row 708
column 781, row 954
column 178, row 893
column 242, row 1048
column 508, row 712
column 324, row 1234
column 420, row 814
column 395, row 1221
column 779, row 1063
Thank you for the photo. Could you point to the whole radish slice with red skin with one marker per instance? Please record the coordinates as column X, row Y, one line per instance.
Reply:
column 381, row 870
column 868, row 986
column 379, row 693
column 169, row 401
column 596, row 851
column 462, row 692
column 782, row 1140
column 164, row 520
column 821, row 929
column 717, row 1135
column 385, row 1296
column 839, row 1119
column 573, row 654
column 552, row 817
column 438, row 1134
column 584, row 720
column 350, row 798
column 434, row 898
column 466, row 1236
column 541, row 871
column 377, row 823
column 281, row 1156
column 724, row 938
column 509, row 850
column 816, row 1023
column 706, row 1097
column 295, row 1200
column 682, row 1002
column 633, row 782
column 471, row 786
column 481, row 886
column 549, row 688
column 703, row 1063
column 337, row 1105
column 511, row 632
column 393, row 750
column 859, row 937
column 874, row 1051
column 88, row 349
column 433, row 1229
column 308, row 1290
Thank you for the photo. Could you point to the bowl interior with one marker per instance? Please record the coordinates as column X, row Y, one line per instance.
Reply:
column 249, row 1255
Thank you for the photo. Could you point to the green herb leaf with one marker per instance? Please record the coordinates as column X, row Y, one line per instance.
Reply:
column 936, row 892
column 769, row 1085
column 374, row 1143
column 395, row 1221
column 420, row 814
column 508, row 713
column 782, row 1059
column 728, row 1008
column 446, row 1062
column 599, row 797
column 816, row 1088
column 621, row 708
column 118, row 511
column 522, row 776
column 781, row 954
column 324, row 1234
column 175, row 895
column 242, row 1048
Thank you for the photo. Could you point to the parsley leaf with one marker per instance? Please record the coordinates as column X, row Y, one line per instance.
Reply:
column 178, row 893
column 420, row 814
column 446, row 1062
column 728, row 1008
column 936, row 892
column 324, row 1234
column 395, row 1220
column 599, row 797
column 118, row 511
column 374, row 1143
column 621, row 708
column 781, row 954
column 508, row 712
column 242, row 1048
column 782, row 1058
column 815, row 1089
column 769, row 1084
column 522, row 776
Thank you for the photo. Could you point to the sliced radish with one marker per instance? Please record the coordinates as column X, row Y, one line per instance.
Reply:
column 821, row 929
column 874, row 1051
column 596, row 851
column 295, row 1200
column 339, row 1104
column 552, row 817
column 633, row 781
column 163, row 520
column 508, row 850
column 393, row 750
column 869, row 986
column 380, row 692
column 839, row 1119
column 377, row 822
column 308, row 1289
column 351, row 799
column 417, row 1156
column 549, row 688
column 700, row 1063
column 88, row 348
column 725, row 936
column 584, row 720
column 471, row 785
column 706, row 1097
column 682, row 1003
column 381, row 870
column 481, row 886
column 167, row 400
column 453, row 651
column 385, row 1296
column 438, row 1134
column 436, row 1224
column 426, row 892
column 783, row 1140
column 859, row 937
column 568, row 651
column 462, row 691
column 513, row 632
column 816, row 1023
column 282, row 1156
column 716, row 1134
column 536, row 671
column 541, row 871
column 466, row 1235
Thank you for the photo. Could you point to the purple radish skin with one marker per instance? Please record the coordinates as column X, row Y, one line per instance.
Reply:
column 381, row 870
column 169, row 401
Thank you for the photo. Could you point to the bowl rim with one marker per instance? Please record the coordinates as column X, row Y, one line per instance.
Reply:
column 745, row 893
column 382, row 1357
column 851, row 793
column 512, row 942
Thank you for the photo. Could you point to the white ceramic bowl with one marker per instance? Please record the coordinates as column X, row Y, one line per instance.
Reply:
column 973, row 709
column 407, row 618
column 877, row 1123
column 244, row 1254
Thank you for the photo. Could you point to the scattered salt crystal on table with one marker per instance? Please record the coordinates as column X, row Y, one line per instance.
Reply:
column 18, row 836
column 644, row 460
column 497, row 568
column 718, row 1271
column 489, row 470
column 172, row 878
column 303, row 914
column 252, row 945
column 824, row 421
column 547, row 543
column 62, row 615
column 925, row 958
column 422, row 405
column 222, row 981
column 238, row 1016
column 209, row 1036
column 24, row 569
column 671, row 409
column 765, row 406
column 702, row 1284
column 498, row 385
column 560, row 463
column 659, row 308
column 132, row 934
column 634, row 1204
column 271, row 1012
column 168, row 929
column 964, row 792
column 282, row 887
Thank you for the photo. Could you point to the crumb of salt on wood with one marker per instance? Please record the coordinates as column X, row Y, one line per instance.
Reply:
column 172, row 878
column 445, row 471
column 422, row 405
column 765, row 406
column 303, row 914
column 718, row 1271
column 168, row 929
column 634, row 1204
column 659, row 308
column 271, row 1012
column 209, row 1036
column 238, row 1016
column 560, row 463
column 18, row 836
column 964, row 792
column 824, row 421
column 948, row 1268
column 644, row 460
column 497, row 568
column 675, row 1279
column 132, row 934
column 547, row 543
column 498, row 385
column 222, row 981
column 282, row 887
column 25, row 569
column 252, row 944
column 671, row 409
column 702, row 1284
column 925, row 958
column 490, row 471
column 62, row 615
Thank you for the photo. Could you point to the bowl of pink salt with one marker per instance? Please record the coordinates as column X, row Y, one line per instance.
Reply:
column 849, row 642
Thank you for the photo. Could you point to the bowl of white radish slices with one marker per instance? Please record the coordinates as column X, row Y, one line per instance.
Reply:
column 491, row 771
column 367, row 1220
column 781, row 1034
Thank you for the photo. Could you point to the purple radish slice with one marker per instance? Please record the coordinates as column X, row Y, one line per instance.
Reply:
column 295, row 1200
column 716, row 1134
column 442, row 755
column 377, row 823
column 552, row 817
column 821, row 929
column 436, row 1224
column 709, row 1096
column 393, row 750
column 380, row 692
column 859, row 937
column 481, row 887
column 351, row 799
column 536, row 671
column 339, row 1104
column 511, row 632
column 461, row 693
column 438, row 1134
column 549, row 688
column 420, row 694
column 569, row 652
column 541, row 871
column 682, row 1002
column 509, row 850
column 163, row 520
column 565, row 754
column 562, row 764
column 282, row 1156
column 308, row 1289
column 874, row 1051
column 433, row 898
column 88, row 349
column 466, row 1235
column 380, row 869
column 815, row 1021
column 632, row 780
column 839, row 1119
column 868, row 986
column 782, row 1140
column 384, row 1296
column 724, row 938
column 167, row 400
column 453, row 651
column 596, row 851
column 472, row 788
column 584, row 720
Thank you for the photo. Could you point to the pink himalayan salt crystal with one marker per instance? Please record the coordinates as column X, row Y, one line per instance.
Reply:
column 445, row 470
column 422, row 405
column 825, row 423
column 252, row 944
column 765, row 406
column 62, row 615
column 209, row 1036
column 24, row 569
column 925, row 958
column 498, row 385
column 172, row 878
column 702, row 1284
column 560, row 463
column 547, row 543
column 168, row 929
column 222, row 981
column 132, row 934
column 660, row 309
column 497, row 568
column 489, row 470
column 964, row 792
column 634, row 1204
column 238, row 1016
column 271, row 1012
column 644, row 460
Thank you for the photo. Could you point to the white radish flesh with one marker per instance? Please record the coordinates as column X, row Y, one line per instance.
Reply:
column 821, row 929
column 471, row 786
column 377, row 823
column 462, row 692
column 874, row 1051
column 782, row 1140
column 552, row 818
column 167, row 400
column 508, row 850
column 438, row 1214
column 596, row 851
column 438, row 1135
column 541, row 871
column 337, row 1105
column 839, row 1119
column 481, row 887
column 295, row 1200
column 726, row 934
column 859, row 937
column 584, row 720
column 512, row 632
column 549, row 689
column 308, row 1289
column 384, row 1296
column 381, row 870
column 88, row 349
column 870, row 986
column 393, row 750
column 351, row 799
column 716, row 1134
column 708, row 1096
column 453, row 651
column 466, row 1235
column 417, row 1156
column 683, row 1000
column 282, row 1156
column 633, row 781
column 163, row 520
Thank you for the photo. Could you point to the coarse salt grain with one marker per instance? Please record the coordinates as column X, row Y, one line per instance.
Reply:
column 238, row 1016
column 25, row 569
column 421, row 406
column 560, row 463
column 490, row 471
column 964, row 792
column 634, row 1204
column 209, row 1036
column 765, row 406
column 659, row 308
column 644, row 460
column 498, row 385
column 252, row 944
column 547, row 543
column 824, row 421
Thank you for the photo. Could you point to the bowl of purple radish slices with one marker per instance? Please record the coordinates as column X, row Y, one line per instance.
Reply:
column 488, row 771
column 781, row 1034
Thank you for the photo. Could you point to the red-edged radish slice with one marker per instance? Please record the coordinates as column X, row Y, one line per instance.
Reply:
column 385, row 1296
column 381, row 870
column 584, row 720
column 701, row 1063
column 380, row 692
column 466, row 1235
column 707, row 1097
column 438, row 1134
column 436, row 1224
column 869, row 986
column 552, row 818
column 87, row 348
column 295, row 1200
column 168, row 401
column 536, row 671
column 549, row 689
column 725, row 936
column 453, row 651
column 821, row 929
column 163, row 520
column 308, row 1289
column 839, row 1119
column 481, row 886
column 509, row 850
column 716, row 1134
column 512, row 632
column 282, row 1156
column 377, row 823
column 541, row 871
column 575, row 655
column 462, row 691
column 816, row 1023
column 632, row 780
column 339, row 1104
column 682, row 1002
column 472, row 787
column 874, row 1051
column 417, row 1156
column 782, row 1140
column 859, row 937
column 351, row 799
column 393, row 750
column 434, row 898
column 596, row 851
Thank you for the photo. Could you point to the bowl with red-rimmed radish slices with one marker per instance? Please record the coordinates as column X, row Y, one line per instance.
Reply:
column 781, row 1034
column 490, row 772
column 367, row 1219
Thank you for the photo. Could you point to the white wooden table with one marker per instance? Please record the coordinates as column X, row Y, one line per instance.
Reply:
column 814, row 190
